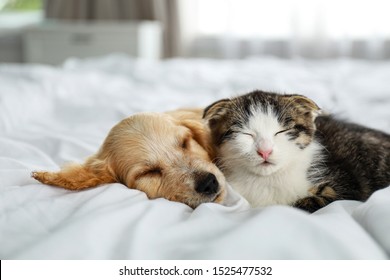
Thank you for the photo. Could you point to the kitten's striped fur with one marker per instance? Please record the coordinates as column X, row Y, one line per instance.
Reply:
column 314, row 159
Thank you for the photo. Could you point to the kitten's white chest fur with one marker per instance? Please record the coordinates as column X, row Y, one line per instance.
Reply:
column 284, row 179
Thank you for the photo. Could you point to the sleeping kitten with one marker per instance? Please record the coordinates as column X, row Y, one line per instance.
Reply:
column 277, row 149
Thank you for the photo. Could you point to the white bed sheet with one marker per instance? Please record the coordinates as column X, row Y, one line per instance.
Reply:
column 52, row 115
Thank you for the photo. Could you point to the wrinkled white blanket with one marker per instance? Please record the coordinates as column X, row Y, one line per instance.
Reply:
column 52, row 115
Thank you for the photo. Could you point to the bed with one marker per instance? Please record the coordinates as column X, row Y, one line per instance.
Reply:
column 53, row 115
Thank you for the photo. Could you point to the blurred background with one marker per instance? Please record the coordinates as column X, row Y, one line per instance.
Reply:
column 50, row 31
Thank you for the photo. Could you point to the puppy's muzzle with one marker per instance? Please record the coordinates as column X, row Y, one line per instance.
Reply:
column 207, row 183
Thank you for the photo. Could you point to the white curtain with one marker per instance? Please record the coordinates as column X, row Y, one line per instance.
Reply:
column 287, row 28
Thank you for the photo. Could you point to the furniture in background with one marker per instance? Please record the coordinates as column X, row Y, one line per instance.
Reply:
column 11, row 46
column 51, row 42
column 12, row 26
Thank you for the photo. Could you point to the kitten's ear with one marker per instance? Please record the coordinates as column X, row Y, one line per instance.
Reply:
column 306, row 104
column 216, row 111
column 217, row 116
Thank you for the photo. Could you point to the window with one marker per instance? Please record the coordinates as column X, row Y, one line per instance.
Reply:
column 20, row 5
column 19, row 13
column 289, row 28
column 282, row 19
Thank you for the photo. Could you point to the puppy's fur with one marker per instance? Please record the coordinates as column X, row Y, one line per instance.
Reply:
column 166, row 155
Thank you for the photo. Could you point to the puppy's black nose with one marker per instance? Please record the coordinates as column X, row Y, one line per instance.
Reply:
column 207, row 184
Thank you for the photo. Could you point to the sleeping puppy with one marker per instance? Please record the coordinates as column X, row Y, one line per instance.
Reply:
column 166, row 155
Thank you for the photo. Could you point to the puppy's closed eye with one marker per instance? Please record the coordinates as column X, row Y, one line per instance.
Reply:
column 155, row 171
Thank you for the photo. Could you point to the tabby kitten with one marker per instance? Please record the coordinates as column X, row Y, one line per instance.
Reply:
column 279, row 149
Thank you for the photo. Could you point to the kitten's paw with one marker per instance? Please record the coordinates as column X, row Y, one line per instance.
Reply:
column 312, row 203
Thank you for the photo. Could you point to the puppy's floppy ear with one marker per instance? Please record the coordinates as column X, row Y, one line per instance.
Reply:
column 92, row 173
column 200, row 133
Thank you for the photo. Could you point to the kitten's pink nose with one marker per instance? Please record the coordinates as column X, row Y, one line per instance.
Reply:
column 264, row 153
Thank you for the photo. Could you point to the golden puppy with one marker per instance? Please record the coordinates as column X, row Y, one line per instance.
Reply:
column 162, row 154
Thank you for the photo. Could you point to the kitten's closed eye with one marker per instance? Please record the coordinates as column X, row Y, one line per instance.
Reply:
column 284, row 130
column 253, row 136
column 249, row 134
